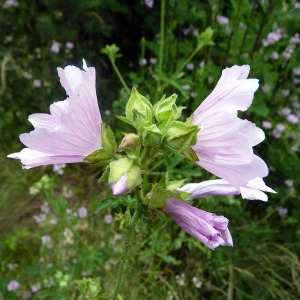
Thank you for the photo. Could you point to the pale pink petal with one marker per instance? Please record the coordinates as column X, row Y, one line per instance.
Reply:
column 119, row 187
column 32, row 158
column 224, row 142
column 72, row 130
column 253, row 190
column 208, row 228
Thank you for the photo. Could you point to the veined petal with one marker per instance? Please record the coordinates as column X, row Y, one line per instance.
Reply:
column 225, row 143
column 253, row 190
column 72, row 130
column 208, row 228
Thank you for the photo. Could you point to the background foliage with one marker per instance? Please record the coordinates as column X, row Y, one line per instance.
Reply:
column 264, row 263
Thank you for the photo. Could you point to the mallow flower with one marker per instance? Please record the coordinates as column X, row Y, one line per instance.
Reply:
column 225, row 142
column 253, row 190
column 72, row 130
column 208, row 228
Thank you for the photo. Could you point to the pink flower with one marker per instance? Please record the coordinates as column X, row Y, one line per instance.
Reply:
column 72, row 129
column 224, row 142
column 208, row 228
column 251, row 191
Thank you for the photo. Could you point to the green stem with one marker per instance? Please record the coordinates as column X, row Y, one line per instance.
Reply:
column 162, row 35
column 187, row 61
column 126, row 247
column 119, row 75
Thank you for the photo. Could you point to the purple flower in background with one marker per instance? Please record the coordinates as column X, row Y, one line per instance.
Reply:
column 285, row 111
column 149, row 3
column 275, row 55
column 225, row 143
column 46, row 239
column 286, row 55
column 82, row 212
column 292, row 118
column 69, row 45
column 278, row 130
column 265, row 88
column 208, row 228
column 295, row 39
column 72, row 130
column 13, row 285
column 108, row 219
column 266, row 124
column 55, row 47
column 222, row 20
column 37, row 83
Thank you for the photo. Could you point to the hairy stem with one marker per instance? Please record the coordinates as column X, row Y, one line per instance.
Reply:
column 126, row 246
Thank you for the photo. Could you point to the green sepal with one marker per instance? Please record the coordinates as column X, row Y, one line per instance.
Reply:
column 166, row 109
column 125, row 120
column 138, row 108
column 120, row 167
column 103, row 156
column 180, row 136
column 151, row 134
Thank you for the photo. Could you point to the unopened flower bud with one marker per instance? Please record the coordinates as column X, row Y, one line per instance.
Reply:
column 130, row 141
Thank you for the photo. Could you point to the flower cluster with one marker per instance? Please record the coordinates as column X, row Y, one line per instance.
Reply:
column 213, row 137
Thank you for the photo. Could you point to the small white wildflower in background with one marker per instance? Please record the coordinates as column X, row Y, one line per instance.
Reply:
column 55, row 47
column 33, row 191
column 296, row 71
column 143, row 62
column 10, row 3
column 285, row 93
column 108, row 219
column 222, row 20
column 265, row 88
column 266, row 124
column 193, row 94
column 69, row 45
column 82, row 212
column 275, row 55
column 37, row 83
column 85, row 273
column 45, row 208
column 190, row 66
column 186, row 87
column 149, row 3
column 13, row 285
column 68, row 211
column 107, row 112
column 67, row 192
column 58, row 168
column 282, row 211
column 26, row 295
column 35, row 287
column 27, row 75
column 68, row 234
column 40, row 218
column 180, row 279
column 197, row 282
column 46, row 239
column 153, row 60
column 12, row 266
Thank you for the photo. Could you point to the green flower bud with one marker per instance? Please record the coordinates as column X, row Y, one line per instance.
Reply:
column 138, row 108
